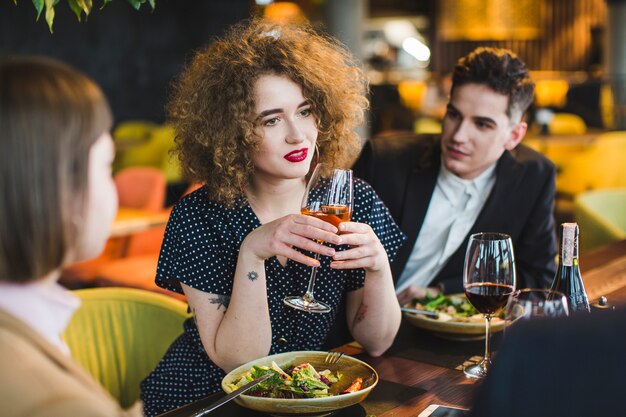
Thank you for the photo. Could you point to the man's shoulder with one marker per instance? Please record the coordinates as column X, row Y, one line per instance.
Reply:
column 530, row 158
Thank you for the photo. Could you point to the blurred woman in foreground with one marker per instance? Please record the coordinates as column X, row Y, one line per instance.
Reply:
column 58, row 202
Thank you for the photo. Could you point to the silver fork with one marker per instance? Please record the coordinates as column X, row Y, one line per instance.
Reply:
column 333, row 357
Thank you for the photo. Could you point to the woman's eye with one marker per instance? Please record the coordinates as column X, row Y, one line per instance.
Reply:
column 305, row 112
column 271, row 122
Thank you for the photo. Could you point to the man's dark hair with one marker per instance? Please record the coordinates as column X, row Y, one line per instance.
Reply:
column 502, row 71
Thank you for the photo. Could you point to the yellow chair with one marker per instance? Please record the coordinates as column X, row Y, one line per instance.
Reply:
column 119, row 334
column 601, row 216
column 601, row 165
column 551, row 93
column 567, row 124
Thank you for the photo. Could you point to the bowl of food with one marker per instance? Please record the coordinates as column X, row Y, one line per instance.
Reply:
column 456, row 318
column 302, row 383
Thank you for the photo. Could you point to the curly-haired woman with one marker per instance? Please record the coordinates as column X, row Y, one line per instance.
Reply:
column 253, row 112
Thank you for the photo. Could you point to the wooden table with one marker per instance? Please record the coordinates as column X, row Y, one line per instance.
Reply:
column 129, row 221
column 413, row 374
column 604, row 273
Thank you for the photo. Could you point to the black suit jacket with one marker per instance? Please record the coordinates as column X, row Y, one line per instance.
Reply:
column 570, row 367
column 403, row 170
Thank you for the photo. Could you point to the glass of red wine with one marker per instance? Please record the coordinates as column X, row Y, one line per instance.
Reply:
column 328, row 196
column 489, row 279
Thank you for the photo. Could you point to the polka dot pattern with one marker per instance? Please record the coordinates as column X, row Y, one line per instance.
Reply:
column 200, row 249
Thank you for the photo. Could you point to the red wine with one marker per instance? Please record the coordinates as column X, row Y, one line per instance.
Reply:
column 488, row 297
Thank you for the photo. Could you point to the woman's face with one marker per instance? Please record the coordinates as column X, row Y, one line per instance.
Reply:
column 101, row 203
column 287, row 127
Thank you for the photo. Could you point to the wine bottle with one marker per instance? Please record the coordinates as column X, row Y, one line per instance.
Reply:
column 567, row 279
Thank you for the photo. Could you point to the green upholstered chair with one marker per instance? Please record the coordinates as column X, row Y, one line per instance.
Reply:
column 119, row 334
column 601, row 215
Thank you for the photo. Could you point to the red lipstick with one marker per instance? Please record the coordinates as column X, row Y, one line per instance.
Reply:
column 298, row 155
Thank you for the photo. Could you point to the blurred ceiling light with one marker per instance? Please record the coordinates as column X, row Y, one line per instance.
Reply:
column 416, row 49
column 284, row 11
column 396, row 31
column 263, row 2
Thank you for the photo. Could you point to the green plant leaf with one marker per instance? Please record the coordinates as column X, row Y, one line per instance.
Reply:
column 104, row 3
column 87, row 5
column 38, row 7
column 49, row 13
column 75, row 8
column 152, row 3
column 135, row 3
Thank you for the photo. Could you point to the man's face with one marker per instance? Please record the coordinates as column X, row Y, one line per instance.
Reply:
column 476, row 130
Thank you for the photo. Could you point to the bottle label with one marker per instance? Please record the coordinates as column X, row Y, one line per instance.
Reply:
column 578, row 302
column 567, row 246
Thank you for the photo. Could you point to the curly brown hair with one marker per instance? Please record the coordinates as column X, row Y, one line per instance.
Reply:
column 212, row 102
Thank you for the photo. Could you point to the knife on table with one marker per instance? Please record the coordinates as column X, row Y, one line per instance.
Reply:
column 206, row 410
column 432, row 314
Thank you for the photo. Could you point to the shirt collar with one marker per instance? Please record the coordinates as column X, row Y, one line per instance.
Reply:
column 453, row 186
column 45, row 306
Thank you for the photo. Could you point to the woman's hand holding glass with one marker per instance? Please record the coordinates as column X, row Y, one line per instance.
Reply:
column 281, row 236
column 365, row 251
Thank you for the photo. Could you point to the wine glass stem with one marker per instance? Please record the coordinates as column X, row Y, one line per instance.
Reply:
column 487, row 323
column 308, row 296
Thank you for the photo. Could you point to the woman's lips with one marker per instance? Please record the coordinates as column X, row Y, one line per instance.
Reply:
column 298, row 155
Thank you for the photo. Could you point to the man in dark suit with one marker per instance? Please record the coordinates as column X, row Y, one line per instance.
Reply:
column 569, row 367
column 474, row 178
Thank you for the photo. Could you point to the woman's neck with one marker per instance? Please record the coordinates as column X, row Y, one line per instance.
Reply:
column 271, row 200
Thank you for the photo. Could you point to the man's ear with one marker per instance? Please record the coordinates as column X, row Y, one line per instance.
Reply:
column 517, row 134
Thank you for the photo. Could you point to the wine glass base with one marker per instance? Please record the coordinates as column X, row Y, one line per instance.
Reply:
column 477, row 371
column 300, row 303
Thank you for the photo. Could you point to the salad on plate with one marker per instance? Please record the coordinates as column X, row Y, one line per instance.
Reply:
column 300, row 381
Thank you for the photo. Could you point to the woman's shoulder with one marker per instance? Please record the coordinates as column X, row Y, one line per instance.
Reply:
column 199, row 204
column 363, row 192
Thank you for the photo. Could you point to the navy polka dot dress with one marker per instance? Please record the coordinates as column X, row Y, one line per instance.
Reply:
column 200, row 249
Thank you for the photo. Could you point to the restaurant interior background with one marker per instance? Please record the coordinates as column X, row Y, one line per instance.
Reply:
column 574, row 48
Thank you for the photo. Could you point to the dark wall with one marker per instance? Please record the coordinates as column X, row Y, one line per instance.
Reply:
column 133, row 55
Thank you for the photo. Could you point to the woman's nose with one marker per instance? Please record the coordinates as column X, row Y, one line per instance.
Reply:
column 295, row 133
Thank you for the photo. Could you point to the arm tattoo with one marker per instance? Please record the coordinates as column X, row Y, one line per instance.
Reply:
column 220, row 300
column 360, row 315
column 252, row 275
column 193, row 314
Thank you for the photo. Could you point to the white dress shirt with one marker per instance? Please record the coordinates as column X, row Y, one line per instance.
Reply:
column 44, row 305
column 453, row 209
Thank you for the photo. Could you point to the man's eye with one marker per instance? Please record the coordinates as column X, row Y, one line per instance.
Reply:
column 452, row 114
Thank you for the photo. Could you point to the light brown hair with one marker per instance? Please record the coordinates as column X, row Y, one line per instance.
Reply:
column 50, row 116
column 213, row 101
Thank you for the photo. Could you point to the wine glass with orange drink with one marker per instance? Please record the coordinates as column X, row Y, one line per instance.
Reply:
column 328, row 196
